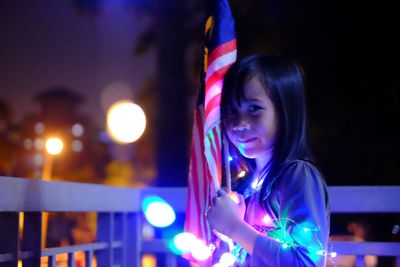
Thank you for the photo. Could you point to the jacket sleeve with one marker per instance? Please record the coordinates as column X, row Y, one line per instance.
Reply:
column 303, row 226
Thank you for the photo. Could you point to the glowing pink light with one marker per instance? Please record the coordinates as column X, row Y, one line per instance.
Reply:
column 267, row 220
column 200, row 251
column 184, row 242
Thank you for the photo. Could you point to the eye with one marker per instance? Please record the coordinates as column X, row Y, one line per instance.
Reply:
column 254, row 108
column 230, row 111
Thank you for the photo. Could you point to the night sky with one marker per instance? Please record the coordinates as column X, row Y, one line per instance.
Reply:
column 49, row 43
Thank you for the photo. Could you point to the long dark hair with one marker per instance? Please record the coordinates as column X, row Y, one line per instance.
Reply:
column 283, row 82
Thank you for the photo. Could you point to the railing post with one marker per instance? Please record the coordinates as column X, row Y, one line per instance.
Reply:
column 133, row 239
column 360, row 261
column 105, row 234
column 32, row 238
column 9, row 237
column 118, row 232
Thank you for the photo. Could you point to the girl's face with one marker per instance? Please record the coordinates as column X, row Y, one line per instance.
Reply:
column 252, row 125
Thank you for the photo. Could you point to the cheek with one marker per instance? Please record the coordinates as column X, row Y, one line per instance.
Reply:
column 269, row 128
column 229, row 134
column 228, row 128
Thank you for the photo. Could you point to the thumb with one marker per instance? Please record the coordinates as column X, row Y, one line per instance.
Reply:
column 236, row 197
column 222, row 193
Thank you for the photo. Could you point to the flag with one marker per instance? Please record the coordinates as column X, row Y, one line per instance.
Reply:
column 206, row 162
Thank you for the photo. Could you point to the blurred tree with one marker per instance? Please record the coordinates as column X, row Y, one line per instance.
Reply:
column 7, row 144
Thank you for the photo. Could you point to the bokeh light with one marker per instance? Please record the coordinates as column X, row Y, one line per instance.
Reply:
column 54, row 145
column 158, row 212
column 39, row 128
column 200, row 251
column 76, row 146
column 126, row 122
column 183, row 242
column 227, row 259
column 77, row 130
column 267, row 219
column 149, row 260
column 38, row 143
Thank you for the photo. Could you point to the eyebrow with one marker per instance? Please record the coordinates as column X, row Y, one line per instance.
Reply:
column 254, row 100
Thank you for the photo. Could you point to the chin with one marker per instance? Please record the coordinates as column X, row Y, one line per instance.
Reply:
column 249, row 154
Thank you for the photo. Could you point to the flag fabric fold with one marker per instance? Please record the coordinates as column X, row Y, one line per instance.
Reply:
column 205, row 172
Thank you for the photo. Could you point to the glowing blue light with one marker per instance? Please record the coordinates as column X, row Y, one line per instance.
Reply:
column 230, row 158
column 158, row 212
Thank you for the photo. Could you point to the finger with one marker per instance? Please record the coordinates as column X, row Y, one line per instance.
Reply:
column 222, row 193
column 240, row 196
column 214, row 200
column 235, row 197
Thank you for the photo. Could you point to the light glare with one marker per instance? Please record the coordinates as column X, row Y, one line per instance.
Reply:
column 54, row 145
column 126, row 122
column 227, row 259
column 184, row 242
column 200, row 251
column 159, row 213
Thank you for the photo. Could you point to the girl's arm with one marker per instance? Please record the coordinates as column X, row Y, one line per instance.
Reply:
column 226, row 217
column 304, row 220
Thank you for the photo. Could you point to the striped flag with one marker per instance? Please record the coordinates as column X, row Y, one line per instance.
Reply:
column 206, row 158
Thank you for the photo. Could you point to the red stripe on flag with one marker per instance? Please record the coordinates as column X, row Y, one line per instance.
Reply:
column 213, row 103
column 217, row 76
column 221, row 50
column 218, row 148
column 194, row 179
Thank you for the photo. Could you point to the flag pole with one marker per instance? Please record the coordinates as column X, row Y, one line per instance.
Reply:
column 226, row 164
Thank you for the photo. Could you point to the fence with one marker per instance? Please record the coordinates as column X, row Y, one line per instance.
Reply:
column 119, row 222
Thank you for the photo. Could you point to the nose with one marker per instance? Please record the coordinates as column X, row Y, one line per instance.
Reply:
column 241, row 124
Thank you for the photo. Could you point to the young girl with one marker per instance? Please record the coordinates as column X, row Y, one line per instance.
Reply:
column 282, row 218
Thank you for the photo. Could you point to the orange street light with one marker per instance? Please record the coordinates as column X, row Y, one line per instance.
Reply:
column 54, row 146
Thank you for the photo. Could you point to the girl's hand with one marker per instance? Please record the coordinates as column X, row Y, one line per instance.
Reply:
column 226, row 212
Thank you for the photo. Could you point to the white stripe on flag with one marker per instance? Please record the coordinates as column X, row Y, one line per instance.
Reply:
column 212, row 119
column 221, row 62
column 213, row 91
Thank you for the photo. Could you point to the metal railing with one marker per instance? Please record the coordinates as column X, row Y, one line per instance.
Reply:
column 119, row 239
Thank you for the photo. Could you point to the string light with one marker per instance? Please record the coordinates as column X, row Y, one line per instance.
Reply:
column 280, row 235
column 241, row 174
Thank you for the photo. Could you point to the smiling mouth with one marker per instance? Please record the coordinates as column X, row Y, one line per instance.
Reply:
column 246, row 141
